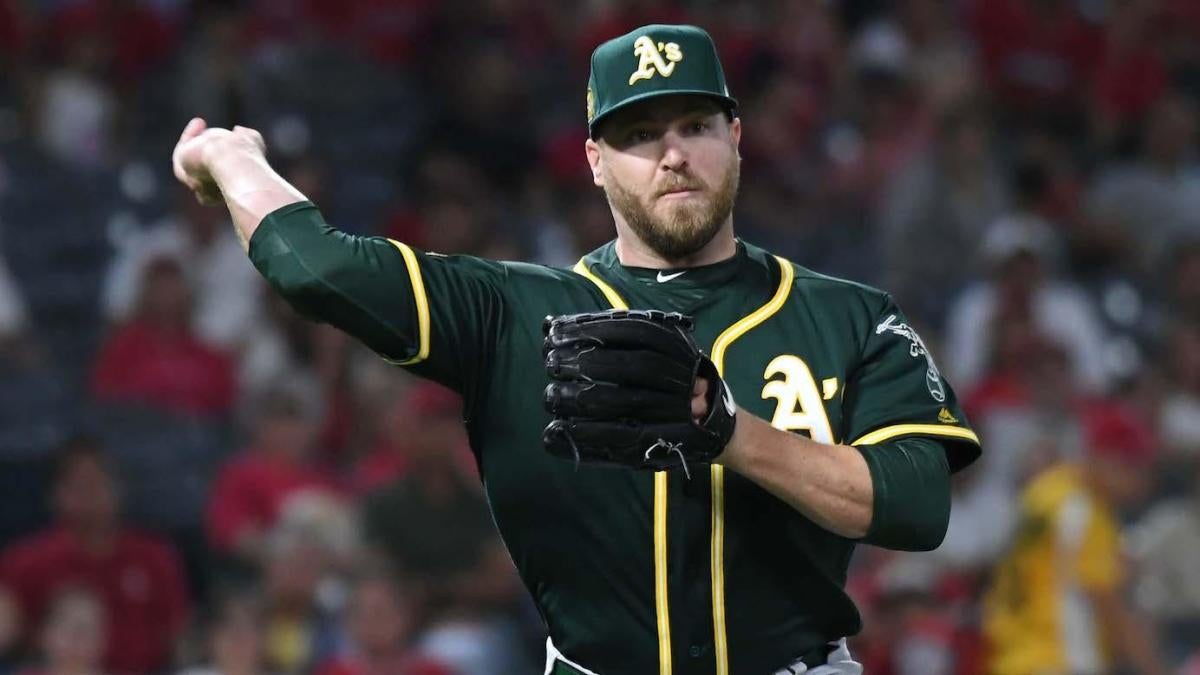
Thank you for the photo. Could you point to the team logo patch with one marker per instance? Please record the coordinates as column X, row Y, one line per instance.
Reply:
column 591, row 104
column 917, row 349
column 652, row 58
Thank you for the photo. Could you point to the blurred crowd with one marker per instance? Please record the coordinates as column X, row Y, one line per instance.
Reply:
column 193, row 479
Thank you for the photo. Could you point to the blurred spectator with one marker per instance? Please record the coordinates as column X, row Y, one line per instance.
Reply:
column 201, row 241
column 215, row 83
column 381, row 621
column 137, row 579
column 13, row 317
column 77, row 115
column 279, row 345
column 255, row 490
column 1182, row 293
column 10, row 631
column 1131, row 75
column 1056, row 602
column 943, row 60
column 73, row 635
column 937, row 209
column 1166, row 548
column 300, row 622
column 234, row 639
column 445, row 527
column 1138, row 208
column 156, row 359
column 1017, row 251
column 1038, row 55
column 390, row 456
column 434, row 526
column 1179, row 414
column 134, row 36
column 911, row 630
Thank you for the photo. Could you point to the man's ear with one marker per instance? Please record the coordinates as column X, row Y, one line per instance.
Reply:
column 592, row 149
column 735, row 130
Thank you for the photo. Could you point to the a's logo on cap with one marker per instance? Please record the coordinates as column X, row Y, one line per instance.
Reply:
column 651, row 60
column 591, row 104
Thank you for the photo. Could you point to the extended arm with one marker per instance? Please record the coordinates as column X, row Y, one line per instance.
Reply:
column 421, row 311
column 895, row 494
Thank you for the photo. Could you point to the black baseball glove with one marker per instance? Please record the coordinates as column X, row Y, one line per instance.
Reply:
column 621, row 391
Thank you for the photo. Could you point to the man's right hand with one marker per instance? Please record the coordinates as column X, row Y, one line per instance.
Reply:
column 198, row 150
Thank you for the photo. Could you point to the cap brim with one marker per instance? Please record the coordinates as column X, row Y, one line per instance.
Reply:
column 728, row 102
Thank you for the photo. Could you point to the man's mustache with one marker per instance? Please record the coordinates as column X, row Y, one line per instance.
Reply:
column 678, row 186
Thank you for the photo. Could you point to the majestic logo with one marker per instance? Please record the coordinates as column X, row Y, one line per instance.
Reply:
column 946, row 417
column 663, row 278
column 652, row 60
column 917, row 349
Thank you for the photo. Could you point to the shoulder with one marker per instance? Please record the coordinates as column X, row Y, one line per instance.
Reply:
column 33, row 550
column 822, row 293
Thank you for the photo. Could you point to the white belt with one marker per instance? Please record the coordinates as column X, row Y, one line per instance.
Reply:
column 839, row 662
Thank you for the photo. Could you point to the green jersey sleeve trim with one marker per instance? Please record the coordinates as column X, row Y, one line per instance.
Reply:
column 897, row 430
column 422, row 304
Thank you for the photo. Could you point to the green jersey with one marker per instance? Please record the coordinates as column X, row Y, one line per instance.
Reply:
column 640, row 572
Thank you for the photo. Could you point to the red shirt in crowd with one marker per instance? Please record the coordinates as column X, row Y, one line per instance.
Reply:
column 140, row 583
column 171, row 370
column 250, row 492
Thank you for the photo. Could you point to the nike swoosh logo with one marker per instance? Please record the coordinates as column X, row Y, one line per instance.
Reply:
column 667, row 277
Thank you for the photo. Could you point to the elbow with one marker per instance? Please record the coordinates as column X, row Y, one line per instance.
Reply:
column 913, row 532
column 927, row 536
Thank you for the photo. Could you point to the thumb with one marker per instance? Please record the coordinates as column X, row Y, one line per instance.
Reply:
column 193, row 129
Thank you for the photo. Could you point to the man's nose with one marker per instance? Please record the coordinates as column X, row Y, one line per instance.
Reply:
column 674, row 158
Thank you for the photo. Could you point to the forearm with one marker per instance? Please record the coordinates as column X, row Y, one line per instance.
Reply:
column 830, row 484
column 895, row 495
column 250, row 187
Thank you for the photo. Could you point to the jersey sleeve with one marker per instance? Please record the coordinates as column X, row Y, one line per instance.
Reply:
column 439, row 316
column 896, row 391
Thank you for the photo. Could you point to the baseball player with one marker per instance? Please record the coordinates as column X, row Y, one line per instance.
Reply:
column 682, row 438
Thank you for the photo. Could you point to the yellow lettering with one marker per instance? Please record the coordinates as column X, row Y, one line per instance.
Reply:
column 651, row 61
column 799, row 406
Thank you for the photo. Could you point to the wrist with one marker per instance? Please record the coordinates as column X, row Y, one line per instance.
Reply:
column 229, row 157
column 738, row 453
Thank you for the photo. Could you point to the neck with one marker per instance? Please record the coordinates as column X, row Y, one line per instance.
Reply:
column 95, row 539
column 633, row 252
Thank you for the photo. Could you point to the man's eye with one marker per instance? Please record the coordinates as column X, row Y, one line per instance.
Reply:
column 639, row 136
column 699, row 127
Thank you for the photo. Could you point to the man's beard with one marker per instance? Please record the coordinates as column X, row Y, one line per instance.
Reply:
column 690, row 225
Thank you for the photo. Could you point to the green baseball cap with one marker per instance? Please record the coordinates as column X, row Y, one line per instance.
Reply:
column 650, row 61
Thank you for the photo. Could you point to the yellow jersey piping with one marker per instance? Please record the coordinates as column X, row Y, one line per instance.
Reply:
column 661, row 600
column 717, row 472
column 422, row 302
